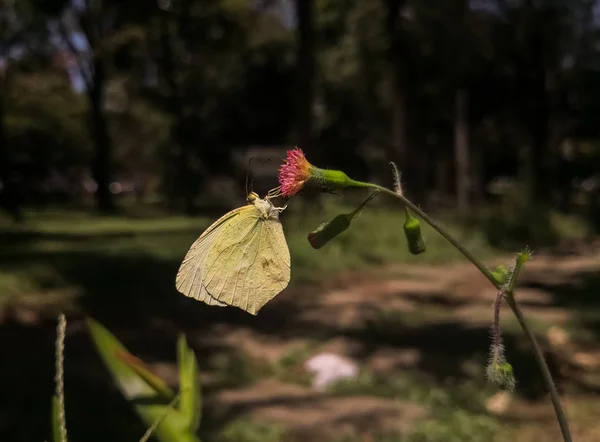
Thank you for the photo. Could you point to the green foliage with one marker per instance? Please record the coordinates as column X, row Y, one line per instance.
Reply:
column 59, row 243
column 247, row 431
column 455, row 425
column 455, row 410
column 190, row 404
column 148, row 401
column 238, row 369
column 290, row 367
column 46, row 126
column 510, row 225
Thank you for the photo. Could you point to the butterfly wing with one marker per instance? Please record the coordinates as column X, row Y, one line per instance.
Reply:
column 189, row 276
column 249, row 264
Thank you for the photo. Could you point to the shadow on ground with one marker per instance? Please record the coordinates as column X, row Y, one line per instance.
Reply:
column 134, row 296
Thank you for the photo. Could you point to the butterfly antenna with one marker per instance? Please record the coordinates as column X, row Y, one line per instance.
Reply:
column 247, row 174
column 254, row 177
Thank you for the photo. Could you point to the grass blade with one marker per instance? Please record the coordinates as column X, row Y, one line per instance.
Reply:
column 149, row 404
column 190, row 405
column 56, row 427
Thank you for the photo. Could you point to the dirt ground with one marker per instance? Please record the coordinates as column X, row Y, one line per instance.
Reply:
column 446, row 301
column 431, row 320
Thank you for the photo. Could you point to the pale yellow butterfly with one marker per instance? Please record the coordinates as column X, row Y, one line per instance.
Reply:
column 241, row 260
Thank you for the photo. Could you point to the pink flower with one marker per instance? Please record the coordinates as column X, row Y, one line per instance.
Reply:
column 294, row 172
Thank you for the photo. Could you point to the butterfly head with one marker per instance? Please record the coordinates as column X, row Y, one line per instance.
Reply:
column 252, row 197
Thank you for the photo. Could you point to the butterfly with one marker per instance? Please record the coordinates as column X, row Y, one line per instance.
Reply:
column 241, row 260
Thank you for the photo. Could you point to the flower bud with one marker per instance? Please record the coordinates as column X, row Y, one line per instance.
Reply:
column 501, row 275
column 414, row 237
column 327, row 231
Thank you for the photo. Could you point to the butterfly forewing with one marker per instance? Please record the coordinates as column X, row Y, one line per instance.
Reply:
column 251, row 266
column 189, row 276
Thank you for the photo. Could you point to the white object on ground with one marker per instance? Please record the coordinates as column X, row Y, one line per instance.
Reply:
column 329, row 368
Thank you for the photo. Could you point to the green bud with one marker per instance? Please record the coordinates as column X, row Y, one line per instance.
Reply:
column 330, row 179
column 505, row 369
column 501, row 274
column 327, row 231
column 414, row 237
column 524, row 256
column 501, row 374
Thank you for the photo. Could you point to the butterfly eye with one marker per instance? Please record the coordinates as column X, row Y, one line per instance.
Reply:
column 252, row 196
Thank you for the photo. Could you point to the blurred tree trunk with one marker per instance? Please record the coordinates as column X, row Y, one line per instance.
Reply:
column 399, row 61
column 186, row 182
column 461, row 152
column 91, row 22
column 8, row 195
column 305, row 90
column 305, row 72
column 540, row 79
column 102, row 141
column 477, row 176
column 541, row 185
column 440, row 180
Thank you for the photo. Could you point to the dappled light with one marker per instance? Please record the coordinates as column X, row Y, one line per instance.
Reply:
column 432, row 168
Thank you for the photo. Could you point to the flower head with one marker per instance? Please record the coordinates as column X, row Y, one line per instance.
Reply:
column 294, row 172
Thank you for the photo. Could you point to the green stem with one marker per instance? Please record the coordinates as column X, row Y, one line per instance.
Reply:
column 560, row 414
column 476, row 262
column 539, row 356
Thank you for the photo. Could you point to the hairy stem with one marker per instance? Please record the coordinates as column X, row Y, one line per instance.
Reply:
column 560, row 414
column 539, row 356
column 60, row 377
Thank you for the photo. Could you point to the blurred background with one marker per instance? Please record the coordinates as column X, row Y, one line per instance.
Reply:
column 126, row 127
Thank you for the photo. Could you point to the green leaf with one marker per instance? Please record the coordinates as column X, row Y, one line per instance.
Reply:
column 57, row 434
column 190, row 405
column 150, row 405
column 137, row 365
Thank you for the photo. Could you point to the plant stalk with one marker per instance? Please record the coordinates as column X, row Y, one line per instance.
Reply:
column 560, row 414
column 539, row 356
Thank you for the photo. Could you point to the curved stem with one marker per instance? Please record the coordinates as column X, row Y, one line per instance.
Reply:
column 539, row 356
column 476, row 262
column 560, row 414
